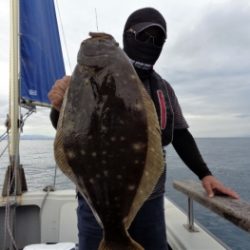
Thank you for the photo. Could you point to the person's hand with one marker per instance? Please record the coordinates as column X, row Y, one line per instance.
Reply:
column 214, row 186
column 57, row 92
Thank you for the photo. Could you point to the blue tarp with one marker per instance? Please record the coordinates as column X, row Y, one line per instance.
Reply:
column 40, row 49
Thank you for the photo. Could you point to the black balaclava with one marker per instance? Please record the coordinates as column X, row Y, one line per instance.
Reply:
column 139, row 51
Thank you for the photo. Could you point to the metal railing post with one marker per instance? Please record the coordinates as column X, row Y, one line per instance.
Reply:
column 190, row 225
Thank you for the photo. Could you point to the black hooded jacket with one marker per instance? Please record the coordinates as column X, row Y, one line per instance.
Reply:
column 172, row 122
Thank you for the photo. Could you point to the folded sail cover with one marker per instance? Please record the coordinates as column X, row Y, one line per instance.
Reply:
column 41, row 54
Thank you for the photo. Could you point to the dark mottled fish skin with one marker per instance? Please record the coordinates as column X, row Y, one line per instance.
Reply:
column 108, row 139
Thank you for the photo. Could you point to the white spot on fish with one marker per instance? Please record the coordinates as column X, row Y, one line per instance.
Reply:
column 104, row 162
column 116, row 198
column 152, row 149
column 94, row 154
column 82, row 152
column 104, row 128
column 86, row 81
column 91, row 180
column 125, row 220
column 138, row 106
column 119, row 176
column 138, row 146
column 98, row 176
column 133, row 76
column 122, row 138
column 136, row 161
column 104, row 152
column 131, row 187
column 146, row 173
column 71, row 154
column 106, row 173
column 113, row 138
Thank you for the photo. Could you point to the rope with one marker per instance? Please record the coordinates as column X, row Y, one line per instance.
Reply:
column 43, row 202
column 6, row 147
column 24, row 118
column 4, row 150
column 55, row 174
column 9, row 241
column 48, row 189
column 7, row 125
column 64, row 37
column 10, row 206
column 3, row 136
column 7, row 226
column 96, row 20
column 28, row 114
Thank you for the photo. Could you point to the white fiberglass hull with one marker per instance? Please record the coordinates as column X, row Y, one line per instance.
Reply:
column 43, row 217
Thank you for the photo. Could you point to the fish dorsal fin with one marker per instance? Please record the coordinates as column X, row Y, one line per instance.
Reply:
column 154, row 161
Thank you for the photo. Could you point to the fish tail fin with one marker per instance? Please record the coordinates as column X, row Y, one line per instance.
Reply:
column 130, row 244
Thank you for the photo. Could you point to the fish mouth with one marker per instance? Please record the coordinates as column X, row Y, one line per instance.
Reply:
column 98, row 48
column 98, row 44
column 100, row 35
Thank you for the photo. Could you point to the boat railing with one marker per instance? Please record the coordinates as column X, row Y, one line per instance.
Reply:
column 236, row 211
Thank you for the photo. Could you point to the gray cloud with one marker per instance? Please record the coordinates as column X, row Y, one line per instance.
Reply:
column 206, row 57
column 218, row 43
column 243, row 116
column 208, row 65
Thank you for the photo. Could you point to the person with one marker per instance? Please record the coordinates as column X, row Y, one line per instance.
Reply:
column 144, row 35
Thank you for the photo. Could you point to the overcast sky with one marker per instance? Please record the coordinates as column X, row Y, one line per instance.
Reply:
column 206, row 57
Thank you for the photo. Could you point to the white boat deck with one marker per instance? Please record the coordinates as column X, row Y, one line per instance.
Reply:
column 179, row 237
column 56, row 211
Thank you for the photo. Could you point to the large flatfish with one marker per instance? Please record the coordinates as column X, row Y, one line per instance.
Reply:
column 108, row 138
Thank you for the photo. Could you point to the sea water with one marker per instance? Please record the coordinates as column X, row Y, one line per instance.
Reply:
column 229, row 161
column 227, row 158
